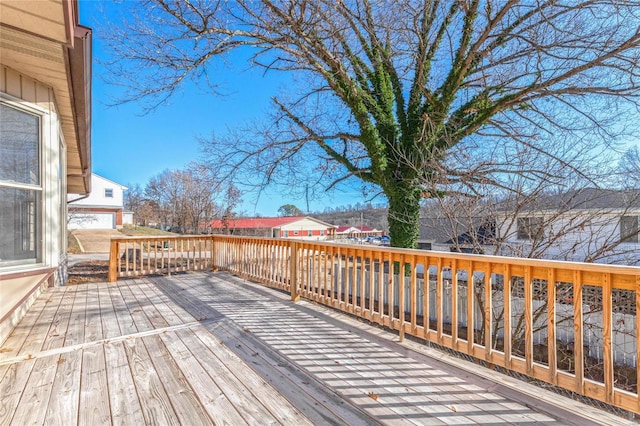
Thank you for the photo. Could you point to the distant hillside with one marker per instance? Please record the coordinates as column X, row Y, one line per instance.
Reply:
column 366, row 216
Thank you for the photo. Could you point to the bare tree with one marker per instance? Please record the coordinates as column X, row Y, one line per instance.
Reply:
column 630, row 166
column 145, row 211
column 187, row 200
column 551, row 210
column 384, row 89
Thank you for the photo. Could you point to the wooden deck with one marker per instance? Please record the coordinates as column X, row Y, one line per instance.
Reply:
column 207, row 348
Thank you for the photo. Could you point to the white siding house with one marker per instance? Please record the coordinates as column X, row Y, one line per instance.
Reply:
column 590, row 225
column 587, row 225
column 574, row 236
column 102, row 209
column 45, row 141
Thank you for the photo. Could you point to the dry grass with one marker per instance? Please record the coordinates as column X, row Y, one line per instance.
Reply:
column 133, row 231
column 72, row 244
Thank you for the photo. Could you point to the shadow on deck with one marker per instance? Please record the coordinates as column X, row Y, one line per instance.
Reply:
column 211, row 348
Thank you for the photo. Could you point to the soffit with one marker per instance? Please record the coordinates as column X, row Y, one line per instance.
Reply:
column 44, row 57
column 45, row 17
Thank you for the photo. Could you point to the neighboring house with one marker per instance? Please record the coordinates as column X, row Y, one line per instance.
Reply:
column 591, row 225
column 594, row 225
column 344, row 232
column 102, row 209
column 298, row 227
column 463, row 235
column 45, row 144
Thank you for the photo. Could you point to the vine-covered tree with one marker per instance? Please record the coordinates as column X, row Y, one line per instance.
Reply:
column 382, row 91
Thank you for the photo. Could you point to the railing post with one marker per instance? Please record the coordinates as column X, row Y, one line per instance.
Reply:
column 214, row 267
column 113, row 261
column 293, row 272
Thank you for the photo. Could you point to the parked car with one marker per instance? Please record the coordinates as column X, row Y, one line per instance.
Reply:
column 373, row 240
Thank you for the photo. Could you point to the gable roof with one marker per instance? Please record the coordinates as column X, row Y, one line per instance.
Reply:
column 262, row 222
column 96, row 176
column 585, row 199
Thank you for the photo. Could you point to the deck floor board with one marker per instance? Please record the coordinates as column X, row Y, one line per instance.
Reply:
column 210, row 348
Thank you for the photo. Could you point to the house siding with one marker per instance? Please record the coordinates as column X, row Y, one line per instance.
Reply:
column 45, row 42
column 582, row 235
column 88, row 212
column 26, row 94
column 302, row 228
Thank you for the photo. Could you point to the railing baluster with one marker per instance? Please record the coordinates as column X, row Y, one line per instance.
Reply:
column 471, row 286
column 506, row 318
column 454, row 303
column 295, row 296
column 401, row 308
column 578, row 332
column 439, row 286
column 551, row 325
column 528, row 318
column 607, row 315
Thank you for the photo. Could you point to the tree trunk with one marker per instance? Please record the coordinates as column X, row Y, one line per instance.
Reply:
column 404, row 215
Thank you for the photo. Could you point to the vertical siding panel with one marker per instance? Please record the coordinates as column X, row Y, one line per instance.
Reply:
column 3, row 79
column 28, row 89
column 13, row 83
column 43, row 97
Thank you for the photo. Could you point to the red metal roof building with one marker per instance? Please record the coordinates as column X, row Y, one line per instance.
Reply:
column 299, row 227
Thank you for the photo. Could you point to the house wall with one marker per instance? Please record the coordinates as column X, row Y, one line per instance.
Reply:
column 300, row 230
column 26, row 94
column 98, row 211
column 97, row 197
column 127, row 218
column 575, row 237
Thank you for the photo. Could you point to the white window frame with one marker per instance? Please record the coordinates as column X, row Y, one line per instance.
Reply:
column 38, row 241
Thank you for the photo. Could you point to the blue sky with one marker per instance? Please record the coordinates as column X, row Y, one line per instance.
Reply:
column 129, row 147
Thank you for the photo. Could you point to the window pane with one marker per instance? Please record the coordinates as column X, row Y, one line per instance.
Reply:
column 629, row 229
column 19, row 225
column 530, row 228
column 19, row 136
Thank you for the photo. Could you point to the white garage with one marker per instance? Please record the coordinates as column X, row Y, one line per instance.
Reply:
column 92, row 220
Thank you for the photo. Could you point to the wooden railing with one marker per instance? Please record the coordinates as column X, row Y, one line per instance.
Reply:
column 137, row 256
column 570, row 324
